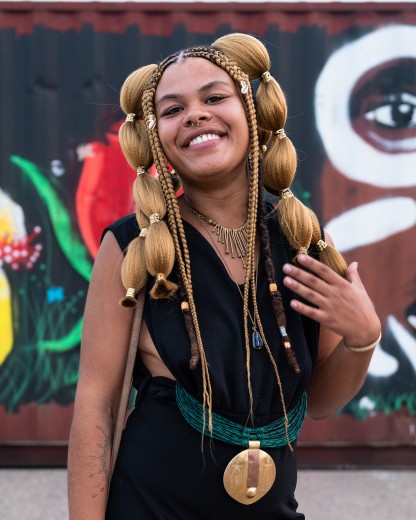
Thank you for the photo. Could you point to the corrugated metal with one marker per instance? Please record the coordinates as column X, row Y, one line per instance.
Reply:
column 61, row 169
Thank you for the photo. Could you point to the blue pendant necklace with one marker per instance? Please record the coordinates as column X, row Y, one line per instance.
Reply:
column 256, row 341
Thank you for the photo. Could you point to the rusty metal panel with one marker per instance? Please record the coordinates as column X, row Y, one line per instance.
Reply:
column 349, row 72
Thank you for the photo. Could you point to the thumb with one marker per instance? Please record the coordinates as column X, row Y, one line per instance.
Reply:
column 352, row 273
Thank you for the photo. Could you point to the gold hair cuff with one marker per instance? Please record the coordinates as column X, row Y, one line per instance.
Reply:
column 302, row 251
column 140, row 170
column 130, row 117
column 151, row 122
column 184, row 306
column 154, row 217
column 281, row 134
column 160, row 276
column 321, row 245
column 143, row 232
column 366, row 348
column 266, row 76
column 286, row 193
column 130, row 292
column 273, row 287
column 244, row 87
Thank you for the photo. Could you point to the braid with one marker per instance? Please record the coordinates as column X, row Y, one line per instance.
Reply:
column 328, row 255
column 153, row 251
column 275, row 295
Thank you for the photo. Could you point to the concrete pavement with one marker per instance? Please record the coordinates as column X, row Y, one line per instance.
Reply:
column 35, row 494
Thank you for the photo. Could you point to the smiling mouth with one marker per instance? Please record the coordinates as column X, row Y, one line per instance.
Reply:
column 203, row 139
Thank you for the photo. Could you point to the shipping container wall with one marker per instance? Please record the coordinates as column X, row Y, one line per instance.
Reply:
column 349, row 73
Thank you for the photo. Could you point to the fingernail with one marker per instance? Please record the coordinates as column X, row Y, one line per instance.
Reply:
column 287, row 268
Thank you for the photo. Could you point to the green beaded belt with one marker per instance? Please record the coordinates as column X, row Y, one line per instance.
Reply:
column 273, row 435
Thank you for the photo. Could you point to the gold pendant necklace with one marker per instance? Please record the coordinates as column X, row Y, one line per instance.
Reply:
column 235, row 240
column 249, row 475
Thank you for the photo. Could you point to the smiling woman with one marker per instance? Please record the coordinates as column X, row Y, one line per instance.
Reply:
column 243, row 325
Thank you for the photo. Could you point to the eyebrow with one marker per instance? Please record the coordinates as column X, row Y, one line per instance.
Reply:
column 201, row 90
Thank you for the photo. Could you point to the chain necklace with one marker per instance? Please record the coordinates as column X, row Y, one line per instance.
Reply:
column 234, row 240
column 256, row 341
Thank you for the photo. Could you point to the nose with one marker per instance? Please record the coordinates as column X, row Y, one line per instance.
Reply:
column 196, row 116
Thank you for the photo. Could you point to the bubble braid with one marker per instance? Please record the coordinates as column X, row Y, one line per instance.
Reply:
column 279, row 164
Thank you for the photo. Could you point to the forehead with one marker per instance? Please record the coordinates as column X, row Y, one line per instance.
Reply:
column 190, row 74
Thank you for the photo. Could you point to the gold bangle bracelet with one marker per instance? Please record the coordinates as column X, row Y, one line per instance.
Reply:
column 366, row 348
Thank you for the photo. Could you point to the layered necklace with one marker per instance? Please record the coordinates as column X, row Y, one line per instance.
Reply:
column 235, row 242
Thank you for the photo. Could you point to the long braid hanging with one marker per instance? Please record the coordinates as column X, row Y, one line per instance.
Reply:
column 243, row 81
column 175, row 220
column 275, row 294
column 175, row 223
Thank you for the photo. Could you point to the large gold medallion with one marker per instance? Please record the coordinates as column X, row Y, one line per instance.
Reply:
column 250, row 474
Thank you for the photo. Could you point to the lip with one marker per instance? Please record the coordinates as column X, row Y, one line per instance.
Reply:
column 201, row 131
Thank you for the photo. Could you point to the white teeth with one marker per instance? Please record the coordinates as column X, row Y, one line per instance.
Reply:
column 203, row 138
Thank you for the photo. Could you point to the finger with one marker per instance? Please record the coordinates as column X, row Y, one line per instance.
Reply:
column 352, row 273
column 306, row 278
column 305, row 292
column 321, row 270
column 306, row 310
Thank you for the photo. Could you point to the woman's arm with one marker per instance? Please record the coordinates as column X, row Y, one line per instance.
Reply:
column 347, row 318
column 104, row 346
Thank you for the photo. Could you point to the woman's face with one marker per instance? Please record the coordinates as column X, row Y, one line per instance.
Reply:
column 197, row 92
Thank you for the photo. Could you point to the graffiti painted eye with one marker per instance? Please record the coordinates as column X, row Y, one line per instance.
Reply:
column 398, row 113
column 365, row 102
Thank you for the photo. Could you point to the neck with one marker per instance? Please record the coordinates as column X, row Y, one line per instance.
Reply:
column 226, row 206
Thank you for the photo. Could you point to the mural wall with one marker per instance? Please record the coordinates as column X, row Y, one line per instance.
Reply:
column 350, row 79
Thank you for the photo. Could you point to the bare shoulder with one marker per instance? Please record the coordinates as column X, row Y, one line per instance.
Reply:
column 106, row 328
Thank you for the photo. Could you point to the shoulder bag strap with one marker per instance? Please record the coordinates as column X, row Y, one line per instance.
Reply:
column 128, row 378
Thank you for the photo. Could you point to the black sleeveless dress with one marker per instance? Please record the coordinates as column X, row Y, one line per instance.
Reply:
column 161, row 472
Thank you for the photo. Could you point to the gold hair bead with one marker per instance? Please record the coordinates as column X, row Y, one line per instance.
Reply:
column 286, row 193
column 143, row 232
column 130, row 292
column 366, row 348
column 266, row 76
column 273, row 287
column 184, row 306
column 160, row 276
column 321, row 245
column 281, row 134
column 263, row 148
column 140, row 170
column 130, row 117
column 151, row 122
column 244, row 87
column 154, row 217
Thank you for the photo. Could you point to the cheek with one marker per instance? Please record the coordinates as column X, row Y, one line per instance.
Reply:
column 166, row 138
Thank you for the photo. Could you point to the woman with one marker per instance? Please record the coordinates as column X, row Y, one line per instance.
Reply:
column 235, row 332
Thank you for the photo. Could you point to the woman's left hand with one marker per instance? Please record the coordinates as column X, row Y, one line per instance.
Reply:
column 341, row 305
